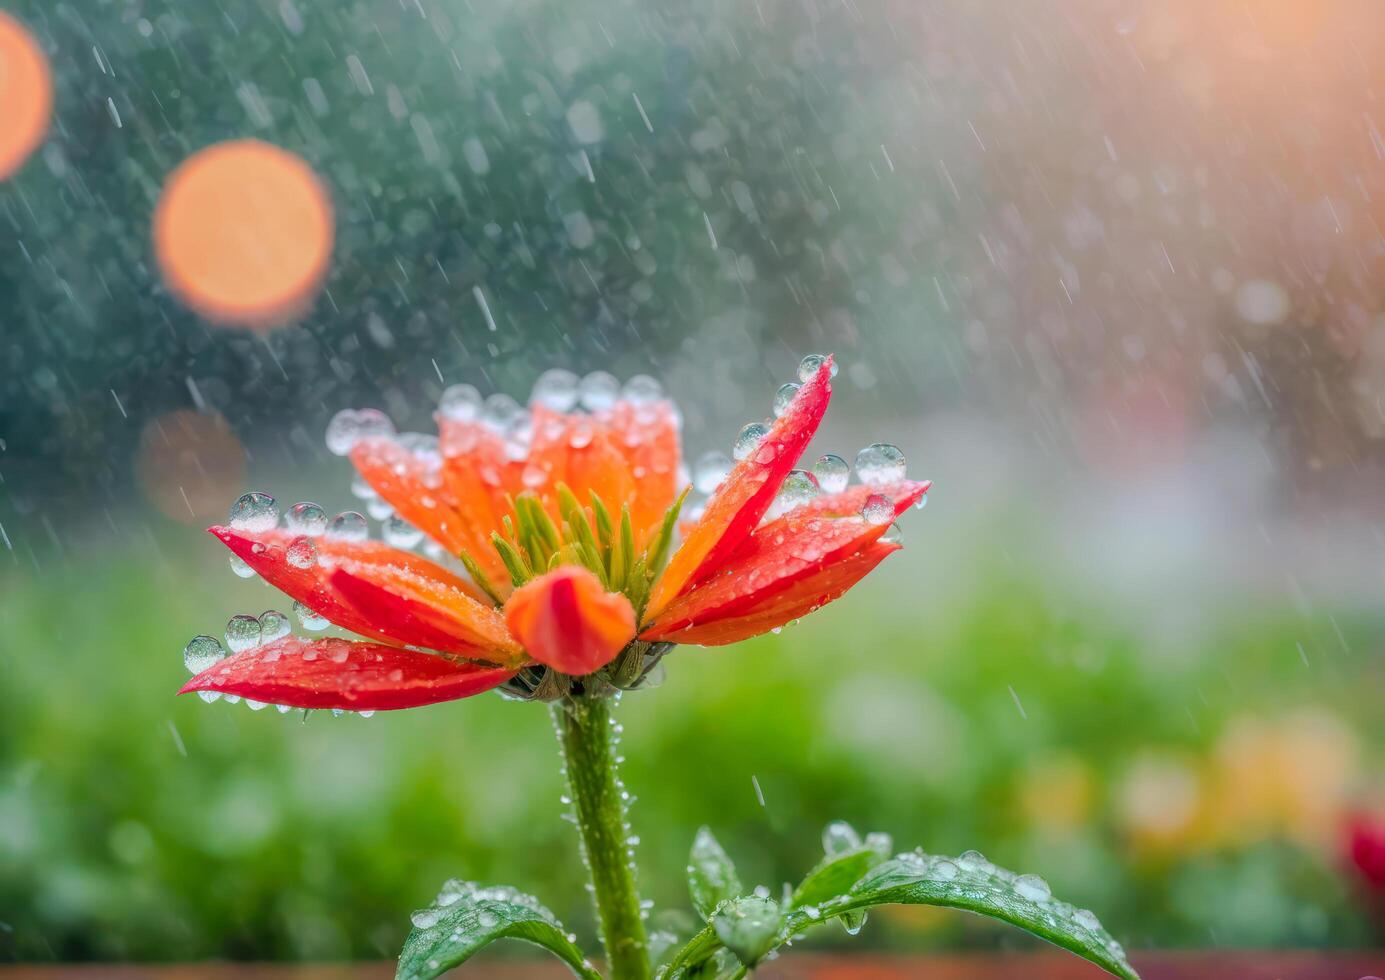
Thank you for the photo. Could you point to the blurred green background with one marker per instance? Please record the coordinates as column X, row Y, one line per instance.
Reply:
column 1111, row 273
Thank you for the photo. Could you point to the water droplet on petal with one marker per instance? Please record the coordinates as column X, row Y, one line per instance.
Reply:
column 832, row 472
column 556, row 389
column 274, row 625
column 350, row 426
column 239, row 566
column 709, row 470
column 750, row 436
column 892, row 535
column 878, row 509
column 301, row 552
column 209, row 696
column 811, row 365
column 254, row 512
column 242, row 633
column 309, row 619
column 349, row 526
column 500, row 411
column 798, row 488
column 256, row 705
column 879, row 464
column 362, row 490
column 599, row 391
column 307, row 518
column 642, row 390
column 202, row 652
column 461, row 403
column 783, row 398
column 400, row 533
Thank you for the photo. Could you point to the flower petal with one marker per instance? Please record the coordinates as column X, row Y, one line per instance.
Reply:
column 802, row 597
column 567, row 620
column 336, row 673
column 782, row 553
column 746, row 493
column 423, row 612
column 647, row 436
column 305, row 576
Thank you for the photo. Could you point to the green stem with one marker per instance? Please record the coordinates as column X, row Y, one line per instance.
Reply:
column 587, row 735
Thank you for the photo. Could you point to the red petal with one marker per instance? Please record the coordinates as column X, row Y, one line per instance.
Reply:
column 804, row 596
column 335, row 673
column 267, row 553
column 424, row 613
column 567, row 620
column 746, row 493
column 782, row 553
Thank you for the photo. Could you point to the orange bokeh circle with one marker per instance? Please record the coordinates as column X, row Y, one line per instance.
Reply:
column 26, row 95
column 243, row 233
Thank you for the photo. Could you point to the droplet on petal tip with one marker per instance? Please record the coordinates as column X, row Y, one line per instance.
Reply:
column 202, row 653
column 642, row 390
column 750, row 436
column 307, row 518
column 460, row 403
column 349, row 525
column 254, row 512
column 557, row 389
column 274, row 625
column 598, row 391
column 811, row 365
column 832, row 473
column 879, row 464
column 350, row 426
column 783, row 398
column 242, row 633
column 878, row 509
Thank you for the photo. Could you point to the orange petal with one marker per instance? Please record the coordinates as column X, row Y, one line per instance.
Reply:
column 300, row 567
column 647, row 436
column 784, row 552
column 567, row 620
column 335, row 673
column 804, row 596
column 746, row 493
column 423, row 612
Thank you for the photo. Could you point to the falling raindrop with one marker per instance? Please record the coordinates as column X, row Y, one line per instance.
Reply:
column 878, row 509
column 460, row 403
column 301, row 552
column 242, row 633
column 202, row 652
column 254, row 512
column 709, row 470
column 811, row 365
column 307, row 518
column 783, row 398
column 879, row 464
column 400, row 533
column 349, row 526
column 599, row 391
column 750, row 436
column 832, row 472
column 309, row 619
column 556, row 389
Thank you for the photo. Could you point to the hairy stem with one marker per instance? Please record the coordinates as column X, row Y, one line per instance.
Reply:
column 587, row 735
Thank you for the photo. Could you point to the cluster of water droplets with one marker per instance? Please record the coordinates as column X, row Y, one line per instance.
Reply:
column 878, row 465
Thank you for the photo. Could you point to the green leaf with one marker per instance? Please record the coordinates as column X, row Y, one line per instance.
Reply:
column 472, row 918
column 749, row 927
column 834, row 876
column 972, row 883
column 712, row 878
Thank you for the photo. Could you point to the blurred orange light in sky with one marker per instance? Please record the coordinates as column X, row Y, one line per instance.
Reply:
column 26, row 95
column 243, row 233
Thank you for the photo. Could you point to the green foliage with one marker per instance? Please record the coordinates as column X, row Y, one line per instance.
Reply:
column 712, row 877
column 467, row 919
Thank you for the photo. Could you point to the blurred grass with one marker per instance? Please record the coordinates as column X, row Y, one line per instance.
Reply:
column 1001, row 709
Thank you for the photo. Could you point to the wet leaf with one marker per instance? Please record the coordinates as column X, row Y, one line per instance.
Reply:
column 749, row 927
column 712, row 878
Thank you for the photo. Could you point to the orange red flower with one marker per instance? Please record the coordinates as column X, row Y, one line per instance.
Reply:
column 565, row 523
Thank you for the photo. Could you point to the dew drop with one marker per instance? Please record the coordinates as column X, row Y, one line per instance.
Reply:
column 425, row 918
column 750, row 436
column 400, row 533
column 301, row 552
column 254, row 512
column 239, row 566
column 307, row 518
column 242, row 633
column 892, row 535
column 556, row 389
column 1032, row 887
column 350, row 426
column 348, row 526
column 598, row 391
column 798, row 488
column 832, row 473
column 362, row 490
column 500, row 411
column 944, row 871
column 838, row 837
column 709, row 470
column 878, row 509
column 880, row 463
column 209, row 696
column 309, row 619
column 201, row 653
column 1087, row 919
column 783, row 398
column 274, row 625
column 460, row 403
column 811, row 365
column 642, row 390
column 256, row 705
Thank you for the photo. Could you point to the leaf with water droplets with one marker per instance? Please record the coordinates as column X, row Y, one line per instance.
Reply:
column 712, row 878
column 467, row 919
column 835, row 874
column 973, row 884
